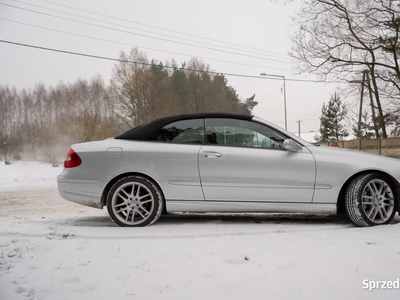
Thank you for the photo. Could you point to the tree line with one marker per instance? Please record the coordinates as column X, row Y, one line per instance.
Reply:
column 43, row 121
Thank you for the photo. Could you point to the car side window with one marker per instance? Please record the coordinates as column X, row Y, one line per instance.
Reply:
column 181, row 132
column 241, row 133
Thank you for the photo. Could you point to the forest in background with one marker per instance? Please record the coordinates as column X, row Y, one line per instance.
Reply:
column 42, row 122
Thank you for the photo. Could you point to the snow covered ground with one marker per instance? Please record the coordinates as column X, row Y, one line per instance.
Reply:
column 54, row 249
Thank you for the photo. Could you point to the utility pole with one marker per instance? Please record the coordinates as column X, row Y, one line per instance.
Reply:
column 284, row 93
column 284, row 100
column 298, row 122
column 361, row 102
column 372, row 105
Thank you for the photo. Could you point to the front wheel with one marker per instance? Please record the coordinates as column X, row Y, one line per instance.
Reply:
column 134, row 201
column 370, row 200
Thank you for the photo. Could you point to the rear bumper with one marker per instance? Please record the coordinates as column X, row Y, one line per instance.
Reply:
column 83, row 192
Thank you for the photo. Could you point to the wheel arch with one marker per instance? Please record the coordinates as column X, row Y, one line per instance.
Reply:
column 341, row 206
column 103, row 201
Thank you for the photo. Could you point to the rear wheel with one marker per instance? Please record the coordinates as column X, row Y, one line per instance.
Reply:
column 370, row 200
column 134, row 201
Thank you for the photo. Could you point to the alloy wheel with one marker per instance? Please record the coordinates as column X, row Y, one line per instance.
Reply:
column 132, row 203
column 377, row 201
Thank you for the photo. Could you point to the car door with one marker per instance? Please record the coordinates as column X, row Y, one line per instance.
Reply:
column 245, row 161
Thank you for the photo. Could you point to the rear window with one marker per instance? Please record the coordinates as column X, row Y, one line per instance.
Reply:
column 181, row 132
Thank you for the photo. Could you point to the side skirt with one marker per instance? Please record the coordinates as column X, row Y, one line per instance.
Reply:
column 273, row 207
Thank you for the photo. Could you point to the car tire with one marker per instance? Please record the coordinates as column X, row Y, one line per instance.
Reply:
column 134, row 201
column 370, row 200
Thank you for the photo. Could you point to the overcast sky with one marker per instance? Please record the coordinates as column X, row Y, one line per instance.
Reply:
column 261, row 25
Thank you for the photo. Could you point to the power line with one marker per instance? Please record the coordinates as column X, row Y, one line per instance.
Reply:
column 160, row 28
column 131, row 45
column 167, row 67
column 147, row 36
column 139, row 29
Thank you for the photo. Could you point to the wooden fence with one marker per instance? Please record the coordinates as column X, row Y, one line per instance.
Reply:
column 387, row 147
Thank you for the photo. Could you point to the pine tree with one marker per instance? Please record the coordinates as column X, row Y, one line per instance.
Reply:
column 330, row 121
column 248, row 105
column 366, row 128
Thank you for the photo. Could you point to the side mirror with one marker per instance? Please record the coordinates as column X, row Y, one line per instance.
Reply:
column 291, row 146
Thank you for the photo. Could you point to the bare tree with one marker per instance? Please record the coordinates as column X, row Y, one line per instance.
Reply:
column 130, row 88
column 343, row 38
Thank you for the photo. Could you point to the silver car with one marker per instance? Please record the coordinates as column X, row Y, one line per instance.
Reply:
column 217, row 162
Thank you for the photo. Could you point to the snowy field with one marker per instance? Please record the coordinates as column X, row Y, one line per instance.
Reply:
column 54, row 249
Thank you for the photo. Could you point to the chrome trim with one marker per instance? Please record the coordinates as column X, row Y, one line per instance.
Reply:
column 180, row 182
column 323, row 186
column 76, row 180
column 257, row 184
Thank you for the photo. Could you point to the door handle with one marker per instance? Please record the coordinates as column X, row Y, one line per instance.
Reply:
column 211, row 154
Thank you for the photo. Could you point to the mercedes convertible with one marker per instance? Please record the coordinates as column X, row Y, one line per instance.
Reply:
column 218, row 162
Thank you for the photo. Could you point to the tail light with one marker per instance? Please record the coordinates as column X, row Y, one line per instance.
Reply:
column 73, row 160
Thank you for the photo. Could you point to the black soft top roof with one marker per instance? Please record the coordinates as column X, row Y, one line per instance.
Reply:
column 143, row 132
